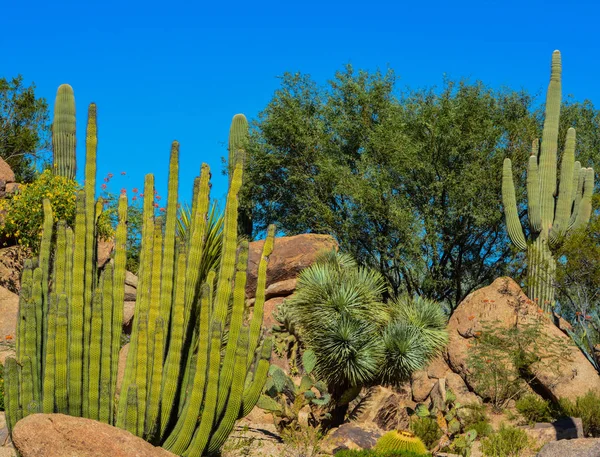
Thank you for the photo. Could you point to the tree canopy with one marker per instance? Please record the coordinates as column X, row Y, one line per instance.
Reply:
column 407, row 182
column 24, row 127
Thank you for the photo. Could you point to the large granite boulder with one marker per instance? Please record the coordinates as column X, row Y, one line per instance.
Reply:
column 582, row 447
column 290, row 255
column 504, row 303
column 58, row 435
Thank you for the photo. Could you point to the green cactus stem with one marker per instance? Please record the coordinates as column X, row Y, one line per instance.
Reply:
column 553, row 211
column 63, row 133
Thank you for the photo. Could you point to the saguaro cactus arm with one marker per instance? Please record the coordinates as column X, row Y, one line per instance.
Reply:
column 515, row 230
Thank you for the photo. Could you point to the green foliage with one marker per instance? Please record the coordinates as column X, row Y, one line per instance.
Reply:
column 554, row 211
column 587, row 408
column 24, row 128
column 22, row 222
column 401, row 441
column 534, row 409
column 407, row 183
column 358, row 340
column 427, row 429
column 508, row 441
column 375, row 453
column 285, row 399
column 1, row 387
column 505, row 361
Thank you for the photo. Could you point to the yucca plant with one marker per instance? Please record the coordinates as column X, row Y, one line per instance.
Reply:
column 358, row 339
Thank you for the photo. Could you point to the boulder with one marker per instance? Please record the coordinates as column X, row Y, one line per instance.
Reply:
column 581, row 447
column 438, row 368
column 6, row 447
column 58, row 435
column 281, row 288
column 12, row 187
column 131, row 279
column 351, row 436
column 12, row 260
column 121, row 367
column 290, row 255
column 566, row 428
column 130, row 292
column 460, row 390
column 104, row 249
column 421, row 385
column 9, row 310
column 269, row 308
column 504, row 303
column 128, row 311
column 6, row 173
column 386, row 408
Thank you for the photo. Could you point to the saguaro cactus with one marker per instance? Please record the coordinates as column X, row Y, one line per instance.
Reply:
column 552, row 215
column 194, row 366
column 63, row 132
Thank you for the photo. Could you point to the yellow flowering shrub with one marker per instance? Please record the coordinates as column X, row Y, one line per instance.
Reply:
column 22, row 214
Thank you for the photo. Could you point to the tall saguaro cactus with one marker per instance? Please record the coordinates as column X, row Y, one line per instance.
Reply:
column 63, row 132
column 194, row 366
column 553, row 210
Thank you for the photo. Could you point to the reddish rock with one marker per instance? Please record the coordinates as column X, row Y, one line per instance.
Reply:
column 290, row 255
column 421, row 385
column 12, row 187
column 9, row 310
column 458, row 387
column 269, row 309
column 6, row 173
column 58, row 435
column 281, row 289
column 128, row 311
column 351, row 436
column 438, row 368
column 131, row 279
column 104, row 249
column 503, row 302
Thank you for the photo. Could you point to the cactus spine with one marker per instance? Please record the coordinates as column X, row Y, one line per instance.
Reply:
column 183, row 387
column 63, row 133
column 553, row 211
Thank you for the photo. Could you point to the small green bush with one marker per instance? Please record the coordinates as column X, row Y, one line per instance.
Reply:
column 23, row 213
column 373, row 453
column 588, row 409
column 427, row 429
column 474, row 418
column 508, row 441
column 534, row 409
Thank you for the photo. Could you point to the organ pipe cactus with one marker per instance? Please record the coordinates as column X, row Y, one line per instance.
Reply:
column 63, row 132
column 554, row 211
column 194, row 365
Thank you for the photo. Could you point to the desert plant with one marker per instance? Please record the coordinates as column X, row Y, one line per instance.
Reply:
column 427, row 429
column 24, row 215
column 285, row 398
column 358, row 340
column 534, row 409
column 587, row 407
column 375, row 453
column 185, row 341
column 400, row 441
column 63, row 133
column 508, row 441
column 553, row 211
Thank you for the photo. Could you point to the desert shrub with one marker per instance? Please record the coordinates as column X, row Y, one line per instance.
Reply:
column 427, row 429
column 358, row 339
column 504, row 362
column 24, row 215
column 508, row 441
column 587, row 408
column 302, row 441
column 474, row 418
column 534, row 409
column 374, row 453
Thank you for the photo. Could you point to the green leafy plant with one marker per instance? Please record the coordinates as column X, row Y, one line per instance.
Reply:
column 24, row 215
column 285, row 399
column 427, row 429
column 508, row 441
column 587, row 408
column 535, row 409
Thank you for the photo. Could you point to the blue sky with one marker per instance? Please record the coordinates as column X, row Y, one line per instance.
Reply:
column 160, row 71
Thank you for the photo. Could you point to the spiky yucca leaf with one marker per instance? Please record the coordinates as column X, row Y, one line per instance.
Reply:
column 404, row 352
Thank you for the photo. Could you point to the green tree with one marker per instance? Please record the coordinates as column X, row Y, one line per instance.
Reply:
column 407, row 183
column 24, row 127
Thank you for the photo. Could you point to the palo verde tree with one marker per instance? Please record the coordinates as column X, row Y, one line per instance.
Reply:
column 555, row 209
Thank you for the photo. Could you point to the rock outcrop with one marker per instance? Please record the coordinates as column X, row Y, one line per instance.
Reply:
column 582, row 447
column 9, row 309
column 58, row 435
column 503, row 302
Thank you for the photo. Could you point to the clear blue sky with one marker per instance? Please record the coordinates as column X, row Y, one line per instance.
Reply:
column 176, row 69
